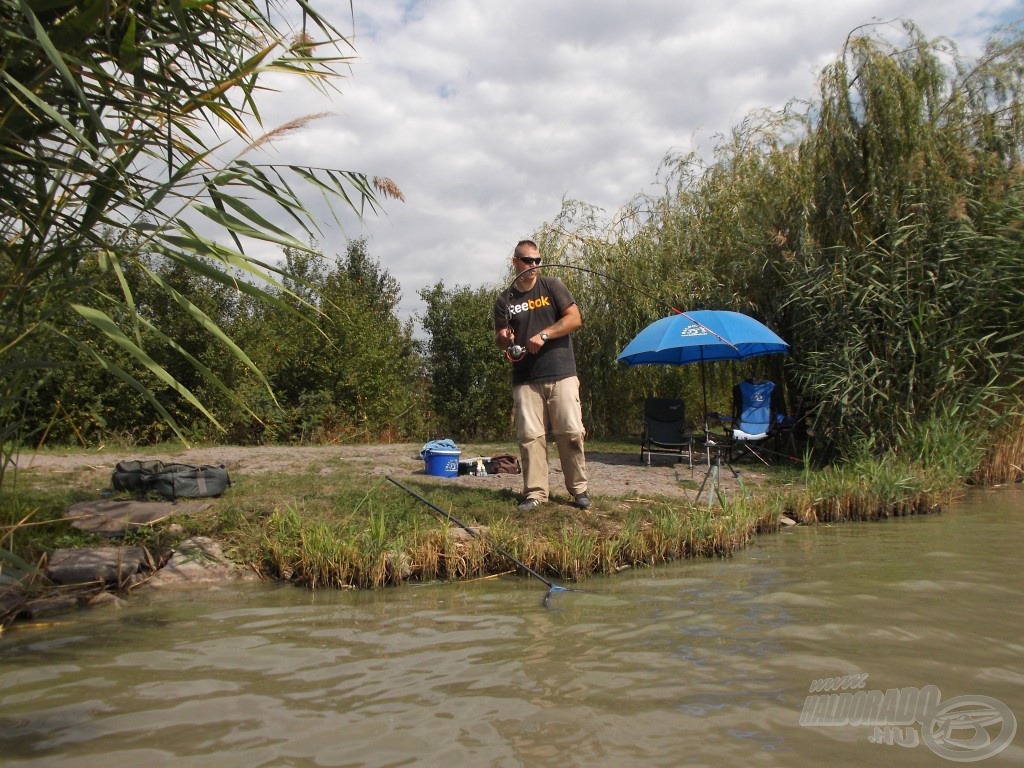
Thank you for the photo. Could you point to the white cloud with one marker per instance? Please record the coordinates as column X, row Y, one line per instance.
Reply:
column 487, row 113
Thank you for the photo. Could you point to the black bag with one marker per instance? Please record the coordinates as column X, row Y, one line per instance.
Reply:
column 171, row 481
column 505, row 464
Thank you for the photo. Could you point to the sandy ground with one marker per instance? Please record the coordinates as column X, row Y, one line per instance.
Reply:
column 611, row 474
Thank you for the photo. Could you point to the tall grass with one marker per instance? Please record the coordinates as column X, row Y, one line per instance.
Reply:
column 575, row 554
column 381, row 550
column 931, row 466
column 1002, row 455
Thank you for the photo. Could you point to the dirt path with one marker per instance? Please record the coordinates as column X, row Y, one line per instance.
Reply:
column 611, row 474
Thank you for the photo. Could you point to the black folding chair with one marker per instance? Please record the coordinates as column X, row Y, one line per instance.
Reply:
column 664, row 431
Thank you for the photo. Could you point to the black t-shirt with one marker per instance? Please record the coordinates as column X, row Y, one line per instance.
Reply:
column 528, row 313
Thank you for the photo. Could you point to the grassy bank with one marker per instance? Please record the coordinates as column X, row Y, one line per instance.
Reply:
column 336, row 524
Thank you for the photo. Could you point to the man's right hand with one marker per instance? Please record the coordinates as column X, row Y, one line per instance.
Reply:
column 504, row 337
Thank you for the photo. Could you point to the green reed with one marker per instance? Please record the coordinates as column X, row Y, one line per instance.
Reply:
column 575, row 554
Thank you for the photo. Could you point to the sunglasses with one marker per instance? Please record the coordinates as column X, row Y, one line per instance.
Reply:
column 529, row 260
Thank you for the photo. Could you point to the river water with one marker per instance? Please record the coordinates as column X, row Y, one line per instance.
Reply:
column 703, row 663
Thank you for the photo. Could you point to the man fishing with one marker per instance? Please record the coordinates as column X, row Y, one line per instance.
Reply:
column 532, row 323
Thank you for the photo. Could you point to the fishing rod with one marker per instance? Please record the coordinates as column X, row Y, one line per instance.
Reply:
column 552, row 587
column 516, row 352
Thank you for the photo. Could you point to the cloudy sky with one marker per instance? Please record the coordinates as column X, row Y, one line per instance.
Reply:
column 487, row 113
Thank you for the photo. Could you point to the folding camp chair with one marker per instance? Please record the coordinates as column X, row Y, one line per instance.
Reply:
column 757, row 410
column 664, row 431
column 793, row 431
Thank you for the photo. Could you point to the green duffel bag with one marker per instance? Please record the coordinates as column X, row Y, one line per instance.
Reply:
column 188, row 481
column 172, row 481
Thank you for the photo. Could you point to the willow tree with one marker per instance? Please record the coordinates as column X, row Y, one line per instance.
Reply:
column 707, row 242
column 622, row 281
column 110, row 112
column 876, row 228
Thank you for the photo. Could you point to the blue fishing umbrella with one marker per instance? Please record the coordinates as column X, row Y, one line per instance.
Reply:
column 701, row 336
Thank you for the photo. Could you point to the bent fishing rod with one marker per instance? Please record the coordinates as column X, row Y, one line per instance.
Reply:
column 552, row 587
column 516, row 352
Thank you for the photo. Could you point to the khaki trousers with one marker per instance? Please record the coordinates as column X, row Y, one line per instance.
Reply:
column 551, row 406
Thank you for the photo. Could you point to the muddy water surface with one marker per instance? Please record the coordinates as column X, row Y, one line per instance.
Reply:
column 700, row 663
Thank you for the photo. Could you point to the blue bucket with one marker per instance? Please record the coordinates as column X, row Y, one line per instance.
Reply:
column 442, row 463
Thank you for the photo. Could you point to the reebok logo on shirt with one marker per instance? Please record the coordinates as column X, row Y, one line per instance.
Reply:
column 526, row 306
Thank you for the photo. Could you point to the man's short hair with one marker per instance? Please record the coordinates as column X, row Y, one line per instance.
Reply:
column 524, row 245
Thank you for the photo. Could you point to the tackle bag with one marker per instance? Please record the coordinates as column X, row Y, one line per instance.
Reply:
column 171, row 481
column 505, row 464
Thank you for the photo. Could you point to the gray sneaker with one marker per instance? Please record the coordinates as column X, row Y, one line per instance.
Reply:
column 582, row 500
column 529, row 505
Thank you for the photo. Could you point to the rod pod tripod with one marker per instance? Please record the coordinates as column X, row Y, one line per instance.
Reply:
column 722, row 453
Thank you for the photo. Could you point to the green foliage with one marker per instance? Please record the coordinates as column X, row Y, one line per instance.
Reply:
column 78, row 403
column 905, row 291
column 620, row 286
column 878, row 231
column 866, row 486
column 470, row 390
column 342, row 365
column 106, row 114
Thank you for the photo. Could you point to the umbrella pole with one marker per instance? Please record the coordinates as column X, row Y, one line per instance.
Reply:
column 704, row 391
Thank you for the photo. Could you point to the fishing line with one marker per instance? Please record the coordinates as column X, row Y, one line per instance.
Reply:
column 552, row 587
column 521, row 350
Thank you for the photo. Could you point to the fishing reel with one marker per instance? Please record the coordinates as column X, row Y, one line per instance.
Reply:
column 515, row 353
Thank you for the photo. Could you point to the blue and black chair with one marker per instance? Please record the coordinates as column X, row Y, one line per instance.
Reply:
column 758, row 412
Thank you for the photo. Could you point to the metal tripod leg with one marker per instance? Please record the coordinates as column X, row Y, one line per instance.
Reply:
column 713, row 474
